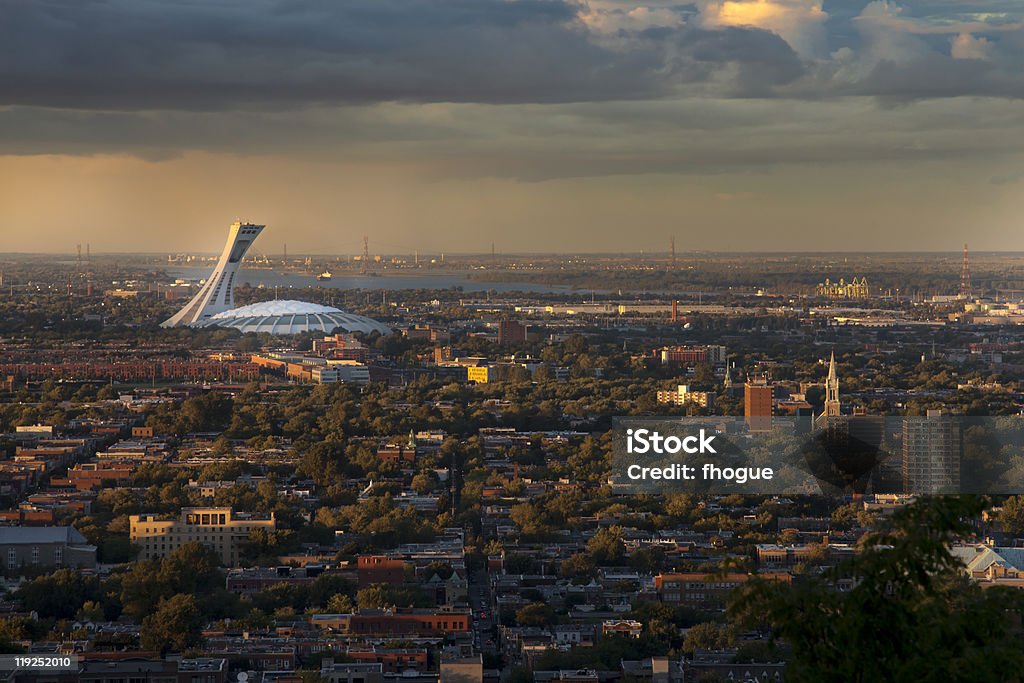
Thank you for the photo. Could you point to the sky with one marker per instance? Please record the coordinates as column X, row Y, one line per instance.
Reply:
column 537, row 125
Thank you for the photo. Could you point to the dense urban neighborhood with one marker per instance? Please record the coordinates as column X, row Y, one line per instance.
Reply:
column 419, row 488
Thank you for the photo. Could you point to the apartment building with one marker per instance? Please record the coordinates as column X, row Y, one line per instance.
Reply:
column 217, row 528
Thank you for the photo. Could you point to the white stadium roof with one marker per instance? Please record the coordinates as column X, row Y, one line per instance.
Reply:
column 292, row 317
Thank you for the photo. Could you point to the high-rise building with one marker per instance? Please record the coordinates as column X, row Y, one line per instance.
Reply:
column 511, row 331
column 931, row 454
column 758, row 405
column 217, row 295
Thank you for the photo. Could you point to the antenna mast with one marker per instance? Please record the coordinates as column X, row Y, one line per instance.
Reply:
column 965, row 277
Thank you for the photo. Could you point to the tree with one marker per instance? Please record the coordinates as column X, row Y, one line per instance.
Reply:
column 606, row 547
column 543, row 374
column 176, row 625
column 575, row 344
column 423, row 483
column 911, row 615
column 192, row 568
column 340, row 603
column 578, row 566
column 90, row 611
column 530, row 520
column 322, row 462
column 845, row 516
column 648, row 559
column 535, row 614
column 380, row 596
column 704, row 376
column 709, row 636
column 1011, row 518
column 60, row 594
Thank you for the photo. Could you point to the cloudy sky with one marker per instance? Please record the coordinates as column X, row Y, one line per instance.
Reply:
column 539, row 125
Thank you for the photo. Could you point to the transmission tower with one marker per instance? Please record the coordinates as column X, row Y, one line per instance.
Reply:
column 366, row 252
column 965, row 277
column 672, row 250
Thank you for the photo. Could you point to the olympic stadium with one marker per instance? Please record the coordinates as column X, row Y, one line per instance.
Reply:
column 214, row 305
column 292, row 317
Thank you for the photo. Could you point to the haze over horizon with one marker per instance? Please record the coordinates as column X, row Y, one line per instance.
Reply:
column 653, row 256
column 538, row 125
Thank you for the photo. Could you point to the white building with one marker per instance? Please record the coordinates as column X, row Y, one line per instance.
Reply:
column 217, row 294
column 683, row 396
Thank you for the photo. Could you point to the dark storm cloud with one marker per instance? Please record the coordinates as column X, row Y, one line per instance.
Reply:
column 542, row 142
column 141, row 54
column 283, row 54
column 937, row 76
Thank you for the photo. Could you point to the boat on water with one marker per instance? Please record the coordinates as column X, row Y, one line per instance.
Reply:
column 324, row 276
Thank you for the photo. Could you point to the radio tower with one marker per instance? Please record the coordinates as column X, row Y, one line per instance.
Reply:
column 672, row 250
column 88, row 269
column 366, row 252
column 965, row 277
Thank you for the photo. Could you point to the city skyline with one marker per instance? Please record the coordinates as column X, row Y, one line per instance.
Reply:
column 734, row 125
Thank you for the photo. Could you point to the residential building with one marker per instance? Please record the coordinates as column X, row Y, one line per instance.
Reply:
column 396, row 622
column 373, row 569
column 462, row 669
column 217, row 528
column 705, row 591
column 45, row 547
column 757, row 405
column 511, row 332
column 350, row 672
column 931, row 454
column 683, row 395
column 622, row 627
column 128, row 669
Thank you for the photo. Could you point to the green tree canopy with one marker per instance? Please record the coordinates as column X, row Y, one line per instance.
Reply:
column 176, row 625
column 911, row 615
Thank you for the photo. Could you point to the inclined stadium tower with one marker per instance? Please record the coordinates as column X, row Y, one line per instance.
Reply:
column 214, row 305
column 218, row 294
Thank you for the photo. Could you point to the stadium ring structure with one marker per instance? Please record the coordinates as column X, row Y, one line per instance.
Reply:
column 292, row 317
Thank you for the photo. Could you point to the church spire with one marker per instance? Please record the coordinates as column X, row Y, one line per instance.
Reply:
column 832, row 406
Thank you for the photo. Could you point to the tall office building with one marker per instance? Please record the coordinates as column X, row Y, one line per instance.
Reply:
column 931, row 454
column 757, row 405
column 510, row 332
column 217, row 295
